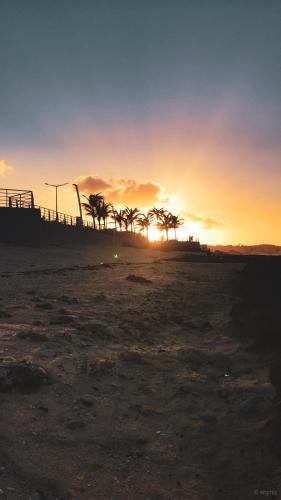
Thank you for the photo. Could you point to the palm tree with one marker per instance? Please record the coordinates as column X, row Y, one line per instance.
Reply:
column 131, row 214
column 111, row 214
column 175, row 223
column 103, row 212
column 93, row 202
column 143, row 222
column 164, row 223
column 157, row 213
column 118, row 217
column 125, row 220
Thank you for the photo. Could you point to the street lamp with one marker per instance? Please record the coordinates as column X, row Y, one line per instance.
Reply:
column 56, row 186
column 79, row 203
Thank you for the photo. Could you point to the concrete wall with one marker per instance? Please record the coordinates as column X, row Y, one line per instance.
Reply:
column 53, row 233
column 23, row 226
column 20, row 226
column 171, row 245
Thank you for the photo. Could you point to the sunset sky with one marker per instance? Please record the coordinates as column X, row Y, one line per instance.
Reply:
column 174, row 103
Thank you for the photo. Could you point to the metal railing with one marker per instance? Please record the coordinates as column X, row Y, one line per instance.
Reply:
column 16, row 198
column 49, row 215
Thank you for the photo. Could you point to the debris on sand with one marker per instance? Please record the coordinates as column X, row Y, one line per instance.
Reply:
column 46, row 306
column 34, row 336
column 138, row 279
column 22, row 377
column 101, row 367
column 133, row 356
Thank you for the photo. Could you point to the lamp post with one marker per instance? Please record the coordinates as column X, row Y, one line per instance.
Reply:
column 79, row 203
column 56, row 186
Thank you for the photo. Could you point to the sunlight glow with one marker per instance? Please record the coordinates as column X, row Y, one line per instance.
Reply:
column 194, row 229
column 154, row 234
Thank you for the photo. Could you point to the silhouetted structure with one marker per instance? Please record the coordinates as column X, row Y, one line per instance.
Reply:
column 24, row 223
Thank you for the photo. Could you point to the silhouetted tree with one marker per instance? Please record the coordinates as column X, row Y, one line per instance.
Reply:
column 175, row 223
column 103, row 212
column 131, row 215
column 164, row 223
column 128, row 217
column 143, row 221
column 118, row 216
column 156, row 213
column 94, row 201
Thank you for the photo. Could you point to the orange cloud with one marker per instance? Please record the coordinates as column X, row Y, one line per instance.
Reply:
column 91, row 184
column 207, row 223
column 122, row 191
column 4, row 168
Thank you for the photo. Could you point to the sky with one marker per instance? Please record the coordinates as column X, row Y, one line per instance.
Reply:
column 173, row 103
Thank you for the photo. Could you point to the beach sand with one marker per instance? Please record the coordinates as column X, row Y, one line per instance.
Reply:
column 149, row 395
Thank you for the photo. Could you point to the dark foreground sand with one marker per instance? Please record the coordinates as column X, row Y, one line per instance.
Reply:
column 149, row 394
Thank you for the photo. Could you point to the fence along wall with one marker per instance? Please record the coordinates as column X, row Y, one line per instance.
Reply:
column 23, row 223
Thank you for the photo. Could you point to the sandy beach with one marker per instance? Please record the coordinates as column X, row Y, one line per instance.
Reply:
column 144, row 393
column 147, row 395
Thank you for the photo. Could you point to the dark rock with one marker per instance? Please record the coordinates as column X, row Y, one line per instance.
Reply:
column 4, row 314
column 67, row 299
column 133, row 357
column 184, row 390
column 209, row 419
column 37, row 322
column 45, row 306
column 250, row 409
column 48, row 353
column 22, row 377
column 201, row 324
column 62, row 320
column 97, row 327
column 75, row 425
column 275, row 376
column 87, row 400
column 35, row 496
column 42, row 408
column 138, row 279
column 100, row 297
column 101, row 367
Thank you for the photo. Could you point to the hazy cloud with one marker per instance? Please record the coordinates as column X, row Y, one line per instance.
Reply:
column 92, row 184
column 207, row 223
column 122, row 191
column 4, row 168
